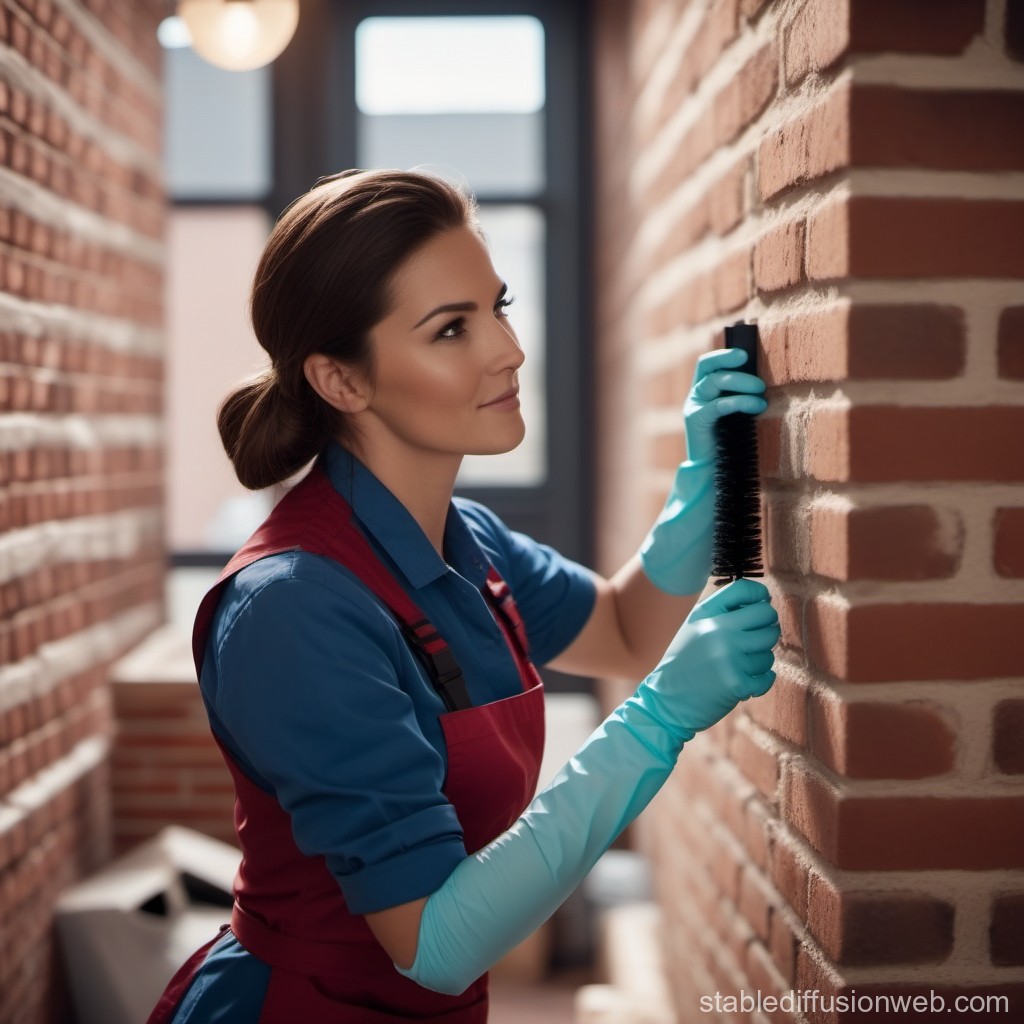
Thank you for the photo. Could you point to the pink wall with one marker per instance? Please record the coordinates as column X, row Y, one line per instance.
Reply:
column 212, row 253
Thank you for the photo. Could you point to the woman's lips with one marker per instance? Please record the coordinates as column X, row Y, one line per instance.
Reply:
column 509, row 400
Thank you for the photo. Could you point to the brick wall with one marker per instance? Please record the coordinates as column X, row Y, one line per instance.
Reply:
column 81, row 560
column 849, row 174
column 166, row 768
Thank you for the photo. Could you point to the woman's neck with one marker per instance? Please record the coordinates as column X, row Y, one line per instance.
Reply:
column 422, row 481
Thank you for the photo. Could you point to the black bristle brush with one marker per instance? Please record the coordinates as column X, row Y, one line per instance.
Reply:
column 737, row 541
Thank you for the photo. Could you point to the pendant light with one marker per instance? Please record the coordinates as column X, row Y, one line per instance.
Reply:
column 240, row 34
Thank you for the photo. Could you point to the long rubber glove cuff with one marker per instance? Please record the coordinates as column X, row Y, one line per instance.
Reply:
column 498, row 896
column 676, row 553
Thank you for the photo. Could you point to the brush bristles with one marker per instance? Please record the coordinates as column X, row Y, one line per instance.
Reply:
column 737, row 544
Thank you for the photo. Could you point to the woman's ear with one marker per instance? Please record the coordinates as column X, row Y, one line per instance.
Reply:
column 339, row 385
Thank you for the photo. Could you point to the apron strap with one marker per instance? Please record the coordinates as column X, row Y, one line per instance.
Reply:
column 313, row 517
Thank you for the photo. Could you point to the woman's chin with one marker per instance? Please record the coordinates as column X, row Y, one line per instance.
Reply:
column 504, row 445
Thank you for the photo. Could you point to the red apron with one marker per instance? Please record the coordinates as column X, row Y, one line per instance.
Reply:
column 289, row 911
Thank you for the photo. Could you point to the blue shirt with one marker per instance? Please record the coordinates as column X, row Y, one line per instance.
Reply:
column 311, row 686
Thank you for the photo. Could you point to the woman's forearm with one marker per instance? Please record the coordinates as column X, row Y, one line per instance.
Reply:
column 629, row 628
column 648, row 617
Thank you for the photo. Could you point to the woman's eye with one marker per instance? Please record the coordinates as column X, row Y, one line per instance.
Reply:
column 452, row 330
column 502, row 304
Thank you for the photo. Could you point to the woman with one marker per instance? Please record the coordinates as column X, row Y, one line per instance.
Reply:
column 364, row 660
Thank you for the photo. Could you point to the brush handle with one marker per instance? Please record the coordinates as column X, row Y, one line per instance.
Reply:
column 737, row 528
column 743, row 336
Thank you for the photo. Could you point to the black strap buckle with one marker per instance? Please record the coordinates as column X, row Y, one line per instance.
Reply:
column 440, row 664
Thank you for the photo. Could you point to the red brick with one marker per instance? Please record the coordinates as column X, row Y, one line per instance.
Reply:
column 726, row 201
column 764, row 978
column 755, row 902
column 874, row 643
column 746, row 95
column 860, row 929
column 897, row 25
column 694, row 148
column 732, row 286
column 783, row 941
column 825, row 31
column 881, row 741
column 867, row 833
column 790, row 607
column 809, row 146
column 1006, row 930
column 817, row 38
column 778, row 257
column 725, row 869
column 769, row 444
column 1008, row 546
column 783, row 709
column 897, row 127
column 757, row 831
column 825, row 435
column 784, row 533
column 789, row 874
column 1010, row 345
column 919, row 342
column 717, row 29
column 907, row 542
column 1008, row 737
column 757, row 762
column 904, row 443
column 900, row 238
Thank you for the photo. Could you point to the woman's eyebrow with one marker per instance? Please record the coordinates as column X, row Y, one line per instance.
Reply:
column 459, row 307
column 451, row 307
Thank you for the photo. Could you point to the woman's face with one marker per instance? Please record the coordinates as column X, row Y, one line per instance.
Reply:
column 445, row 358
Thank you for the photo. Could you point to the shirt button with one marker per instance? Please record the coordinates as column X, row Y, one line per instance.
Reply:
column 477, row 562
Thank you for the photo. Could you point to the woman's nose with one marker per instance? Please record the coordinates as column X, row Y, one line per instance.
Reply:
column 507, row 352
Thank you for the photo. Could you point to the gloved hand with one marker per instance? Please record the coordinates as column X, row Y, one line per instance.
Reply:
column 676, row 554
column 721, row 656
column 718, row 389
column 499, row 895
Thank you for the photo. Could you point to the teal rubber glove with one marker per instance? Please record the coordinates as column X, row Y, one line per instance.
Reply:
column 676, row 553
column 498, row 896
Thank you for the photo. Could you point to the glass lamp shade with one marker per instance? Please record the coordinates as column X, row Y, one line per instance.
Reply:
column 240, row 34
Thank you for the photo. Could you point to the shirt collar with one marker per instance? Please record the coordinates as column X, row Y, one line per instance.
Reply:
column 387, row 521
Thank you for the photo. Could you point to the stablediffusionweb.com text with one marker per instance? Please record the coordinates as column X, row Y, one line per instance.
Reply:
column 811, row 1001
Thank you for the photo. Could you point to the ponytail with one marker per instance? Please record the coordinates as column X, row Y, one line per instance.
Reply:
column 269, row 436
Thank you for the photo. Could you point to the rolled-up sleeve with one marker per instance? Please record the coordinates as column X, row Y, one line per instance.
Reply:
column 307, row 691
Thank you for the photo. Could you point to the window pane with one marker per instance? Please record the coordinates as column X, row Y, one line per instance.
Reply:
column 462, row 96
column 449, row 65
column 216, row 129
column 492, row 153
column 515, row 235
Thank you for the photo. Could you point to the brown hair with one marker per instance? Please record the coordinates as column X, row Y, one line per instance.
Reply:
column 323, row 282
